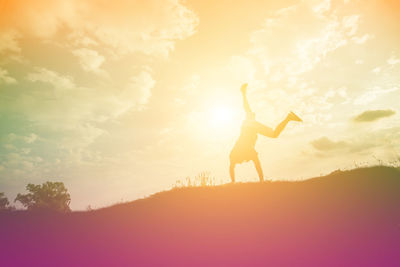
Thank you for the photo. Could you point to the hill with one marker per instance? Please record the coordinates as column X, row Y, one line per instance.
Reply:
column 349, row 218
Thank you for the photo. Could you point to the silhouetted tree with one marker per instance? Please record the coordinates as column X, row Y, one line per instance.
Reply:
column 48, row 196
column 4, row 204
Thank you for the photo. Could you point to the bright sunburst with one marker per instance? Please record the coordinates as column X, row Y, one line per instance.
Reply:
column 221, row 116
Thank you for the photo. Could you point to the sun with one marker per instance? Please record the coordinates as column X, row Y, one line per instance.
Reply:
column 217, row 118
column 221, row 116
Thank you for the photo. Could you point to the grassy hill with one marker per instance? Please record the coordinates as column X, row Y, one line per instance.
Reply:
column 349, row 218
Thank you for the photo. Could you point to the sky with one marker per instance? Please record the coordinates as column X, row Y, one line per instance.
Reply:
column 120, row 99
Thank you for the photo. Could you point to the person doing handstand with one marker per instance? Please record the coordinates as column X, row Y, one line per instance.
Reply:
column 244, row 148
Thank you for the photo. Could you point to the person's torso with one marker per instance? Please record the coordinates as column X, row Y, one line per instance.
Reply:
column 248, row 134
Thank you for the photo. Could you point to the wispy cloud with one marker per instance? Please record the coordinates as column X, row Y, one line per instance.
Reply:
column 90, row 60
column 5, row 77
column 126, row 26
column 372, row 95
column 393, row 60
column 31, row 138
column 9, row 41
column 58, row 81
column 362, row 39
column 137, row 92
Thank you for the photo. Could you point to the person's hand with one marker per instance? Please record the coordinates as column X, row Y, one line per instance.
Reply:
column 244, row 88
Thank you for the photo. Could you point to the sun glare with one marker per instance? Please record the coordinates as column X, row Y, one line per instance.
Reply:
column 221, row 116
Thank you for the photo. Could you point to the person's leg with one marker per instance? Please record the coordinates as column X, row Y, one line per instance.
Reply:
column 257, row 164
column 266, row 131
column 232, row 171
column 280, row 127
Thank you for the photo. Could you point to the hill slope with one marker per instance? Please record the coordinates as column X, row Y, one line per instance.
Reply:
column 347, row 218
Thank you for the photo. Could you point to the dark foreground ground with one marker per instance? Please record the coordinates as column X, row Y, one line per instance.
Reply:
column 347, row 218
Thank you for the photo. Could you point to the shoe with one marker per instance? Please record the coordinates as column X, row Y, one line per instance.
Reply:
column 294, row 117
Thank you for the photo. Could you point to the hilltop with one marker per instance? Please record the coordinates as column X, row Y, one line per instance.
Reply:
column 347, row 218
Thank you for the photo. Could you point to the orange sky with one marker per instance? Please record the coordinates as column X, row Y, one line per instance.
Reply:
column 119, row 99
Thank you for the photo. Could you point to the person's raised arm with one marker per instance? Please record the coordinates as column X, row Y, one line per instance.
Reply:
column 246, row 105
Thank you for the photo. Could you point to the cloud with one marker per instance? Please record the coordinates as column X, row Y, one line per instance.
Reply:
column 11, row 138
column 350, row 24
column 393, row 60
column 319, row 58
column 31, row 138
column 137, row 92
column 374, row 115
column 287, row 51
column 65, row 101
column 373, row 94
column 326, row 144
column 75, row 110
column 6, row 78
column 8, row 41
column 58, row 81
column 362, row 39
column 125, row 26
column 322, row 6
column 377, row 70
column 90, row 60
column 383, row 142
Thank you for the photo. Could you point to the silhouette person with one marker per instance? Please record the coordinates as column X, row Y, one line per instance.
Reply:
column 244, row 150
